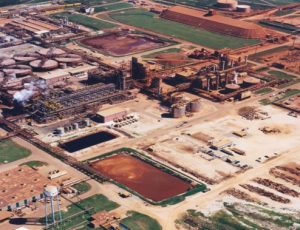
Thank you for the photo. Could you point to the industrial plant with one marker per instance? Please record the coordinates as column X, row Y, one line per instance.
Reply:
column 149, row 115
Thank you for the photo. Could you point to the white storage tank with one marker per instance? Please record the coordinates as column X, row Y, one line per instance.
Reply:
column 194, row 106
column 243, row 8
column 227, row 4
column 178, row 110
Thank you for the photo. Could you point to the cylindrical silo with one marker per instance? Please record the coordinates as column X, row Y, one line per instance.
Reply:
column 178, row 110
column 195, row 106
column 243, row 8
column 249, row 81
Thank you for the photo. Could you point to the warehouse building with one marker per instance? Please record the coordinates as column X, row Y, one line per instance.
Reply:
column 111, row 114
column 19, row 187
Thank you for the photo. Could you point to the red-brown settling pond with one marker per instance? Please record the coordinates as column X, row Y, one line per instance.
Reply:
column 123, row 43
column 145, row 179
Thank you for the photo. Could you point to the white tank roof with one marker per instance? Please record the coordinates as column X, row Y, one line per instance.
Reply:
column 51, row 191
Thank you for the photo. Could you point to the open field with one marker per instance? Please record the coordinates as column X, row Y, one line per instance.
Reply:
column 256, row 4
column 82, row 187
column 115, row 6
column 150, row 21
column 15, row 2
column 91, row 2
column 154, row 54
column 239, row 216
column 138, row 221
column 283, row 57
column 92, row 23
column 10, row 151
column 35, row 164
column 281, row 75
column 80, row 212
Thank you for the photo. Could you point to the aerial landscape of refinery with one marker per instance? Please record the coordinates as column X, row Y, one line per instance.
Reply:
column 149, row 114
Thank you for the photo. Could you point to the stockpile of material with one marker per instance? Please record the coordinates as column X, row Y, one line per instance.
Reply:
column 277, row 186
column 265, row 193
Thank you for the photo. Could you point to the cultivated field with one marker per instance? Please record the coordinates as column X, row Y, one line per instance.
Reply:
column 147, row 20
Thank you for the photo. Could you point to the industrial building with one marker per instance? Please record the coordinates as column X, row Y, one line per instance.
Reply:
column 111, row 114
column 105, row 220
column 20, row 186
column 214, row 22
column 64, row 105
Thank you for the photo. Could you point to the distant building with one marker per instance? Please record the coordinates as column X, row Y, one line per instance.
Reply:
column 20, row 186
column 105, row 220
column 111, row 114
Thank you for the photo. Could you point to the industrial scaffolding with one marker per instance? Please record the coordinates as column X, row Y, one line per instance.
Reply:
column 51, row 108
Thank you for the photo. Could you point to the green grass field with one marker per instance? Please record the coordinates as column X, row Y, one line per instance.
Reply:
column 170, row 50
column 139, row 221
column 147, row 20
column 240, row 216
column 255, row 4
column 264, row 91
column 10, row 151
column 281, row 75
column 284, row 12
column 115, row 6
column 76, row 215
column 258, row 56
column 82, row 187
column 34, row 163
column 86, row 21
column 91, row 2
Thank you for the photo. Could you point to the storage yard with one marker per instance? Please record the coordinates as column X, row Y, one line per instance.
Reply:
column 149, row 115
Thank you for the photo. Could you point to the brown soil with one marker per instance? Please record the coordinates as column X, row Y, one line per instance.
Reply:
column 141, row 177
column 120, row 44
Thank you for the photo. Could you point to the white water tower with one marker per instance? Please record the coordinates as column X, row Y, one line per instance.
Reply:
column 50, row 193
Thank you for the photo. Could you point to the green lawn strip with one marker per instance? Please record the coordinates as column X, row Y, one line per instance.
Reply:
column 92, row 204
column 115, row 6
column 263, row 69
column 150, row 21
column 92, row 23
column 82, row 187
column 92, row 2
column 170, row 50
column 139, row 221
column 11, row 151
column 282, row 86
column 258, row 56
column 288, row 93
column 34, row 163
column 281, row 75
column 264, row 91
column 223, row 220
column 265, row 101
column 284, row 12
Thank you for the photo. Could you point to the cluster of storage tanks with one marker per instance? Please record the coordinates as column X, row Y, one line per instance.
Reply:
column 233, row 5
column 23, row 64
column 60, row 131
column 181, row 105
column 247, row 82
